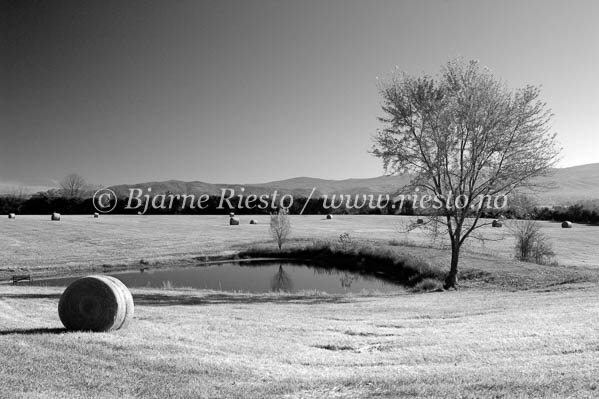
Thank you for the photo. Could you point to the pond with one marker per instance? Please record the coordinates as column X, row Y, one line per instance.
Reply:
column 255, row 277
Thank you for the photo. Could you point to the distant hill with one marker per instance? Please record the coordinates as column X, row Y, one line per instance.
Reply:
column 568, row 185
column 571, row 185
column 299, row 186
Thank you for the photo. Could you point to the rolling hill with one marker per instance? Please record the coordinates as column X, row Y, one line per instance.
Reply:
column 567, row 185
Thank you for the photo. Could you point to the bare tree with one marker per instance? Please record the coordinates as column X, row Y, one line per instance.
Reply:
column 464, row 135
column 531, row 244
column 280, row 227
column 72, row 185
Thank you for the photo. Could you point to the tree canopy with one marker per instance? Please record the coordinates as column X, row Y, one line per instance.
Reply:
column 464, row 133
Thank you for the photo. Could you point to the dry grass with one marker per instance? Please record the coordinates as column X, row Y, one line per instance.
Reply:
column 518, row 330
column 186, row 344
column 35, row 243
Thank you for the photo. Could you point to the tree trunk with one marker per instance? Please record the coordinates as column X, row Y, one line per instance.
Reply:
column 451, row 281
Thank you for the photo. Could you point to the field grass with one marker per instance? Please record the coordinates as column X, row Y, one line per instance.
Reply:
column 513, row 329
column 36, row 244
column 190, row 344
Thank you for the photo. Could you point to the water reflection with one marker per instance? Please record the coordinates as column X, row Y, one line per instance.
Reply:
column 281, row 281
column 249, row 277
column 347, row 280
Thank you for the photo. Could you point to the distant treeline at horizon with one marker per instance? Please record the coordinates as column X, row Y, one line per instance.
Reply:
column 46, row 203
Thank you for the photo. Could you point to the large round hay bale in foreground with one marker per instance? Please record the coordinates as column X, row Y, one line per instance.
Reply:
column 96, row 303
column 329, row 216
column 566, row 225
column 234, row 221
column 55, row 216
column 496, row 223
column 12, row 216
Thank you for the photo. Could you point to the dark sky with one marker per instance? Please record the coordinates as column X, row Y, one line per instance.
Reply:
column 252, row 91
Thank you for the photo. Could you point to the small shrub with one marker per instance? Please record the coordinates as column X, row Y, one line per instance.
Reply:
column 429, row 285
column 345, row 240
column 531, row 244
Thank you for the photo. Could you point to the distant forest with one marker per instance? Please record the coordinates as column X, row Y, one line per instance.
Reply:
column 49, row 202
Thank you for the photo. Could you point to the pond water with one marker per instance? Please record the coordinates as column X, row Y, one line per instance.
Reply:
column 256, row 277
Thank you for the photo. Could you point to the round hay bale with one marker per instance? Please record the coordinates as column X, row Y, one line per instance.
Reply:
column 234, row 221
column 329, row 216
column 96, row 303
column 419, row 221
column 231, row 214
column 496, row 223
column 12, row 216
column 566, row 225
column 55, row 216
column 253, row 221
column 96, row 215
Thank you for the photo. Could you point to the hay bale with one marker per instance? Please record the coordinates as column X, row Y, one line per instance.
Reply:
column 96, row 303
column 566, row 225
column 55, row 216
column 329, row 216
column 12, row 216
column 253, row 221
column 496, row 223
column 96, row 215
column 419, row 221
column 232, row 214
column 234, row 221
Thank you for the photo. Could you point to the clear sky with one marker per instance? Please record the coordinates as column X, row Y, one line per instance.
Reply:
column 253, row 91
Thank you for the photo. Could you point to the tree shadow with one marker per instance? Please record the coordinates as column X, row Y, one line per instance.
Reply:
column 33, row 331
column 223, row 299
column 158, row 299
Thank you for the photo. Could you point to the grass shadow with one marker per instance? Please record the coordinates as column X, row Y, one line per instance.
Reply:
column 154, row 299
column 30, row 296
column 33, row 331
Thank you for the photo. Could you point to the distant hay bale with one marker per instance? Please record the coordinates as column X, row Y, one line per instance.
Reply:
column 96, row 215
column 55, row 216
column 329, row 216
column 234, row 221
column 253, row 221
column 419, row 221
column 231, row 214
column 496, row 223
column 12, row 216
column 566, row 225
column 96, row 303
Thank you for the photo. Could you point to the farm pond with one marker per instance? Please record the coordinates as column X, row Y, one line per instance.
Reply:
column 255, row 277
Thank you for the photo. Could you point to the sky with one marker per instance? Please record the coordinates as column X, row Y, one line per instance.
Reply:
column 255, row 91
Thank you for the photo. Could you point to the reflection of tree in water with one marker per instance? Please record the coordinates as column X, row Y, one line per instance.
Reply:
column 347, row 280
column 281, row 281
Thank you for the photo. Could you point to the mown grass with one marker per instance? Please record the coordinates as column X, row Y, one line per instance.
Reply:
column 35, row 244
column 202, row 344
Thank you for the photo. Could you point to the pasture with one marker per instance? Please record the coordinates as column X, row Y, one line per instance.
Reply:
column 192, row 344
column 79, row 242
column 513, row 330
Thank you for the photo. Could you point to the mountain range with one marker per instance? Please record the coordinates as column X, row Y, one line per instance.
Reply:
column 565, row 186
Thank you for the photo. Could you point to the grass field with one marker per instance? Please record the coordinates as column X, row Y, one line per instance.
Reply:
column 34, row 243
column 189, row 344
column 513, row 330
